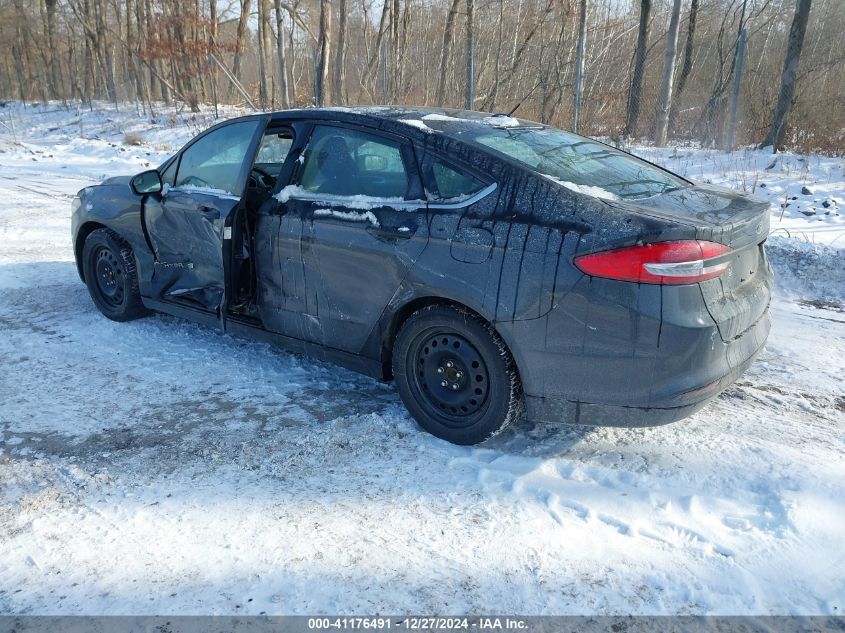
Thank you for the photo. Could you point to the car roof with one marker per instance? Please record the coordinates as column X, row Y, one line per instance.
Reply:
column 419, row 121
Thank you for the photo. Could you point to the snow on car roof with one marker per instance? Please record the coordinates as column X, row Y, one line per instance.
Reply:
column 425, row 119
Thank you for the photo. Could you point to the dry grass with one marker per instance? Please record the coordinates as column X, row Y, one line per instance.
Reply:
column 133, row 139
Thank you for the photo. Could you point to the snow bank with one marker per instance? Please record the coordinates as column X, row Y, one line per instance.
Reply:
column 808, row 270
column 806, row 194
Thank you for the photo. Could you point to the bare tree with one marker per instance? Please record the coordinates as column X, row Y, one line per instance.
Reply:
column 321, row 84
column 374, row 57
column 470, row 94
column 394, row 51
column 686, row 65
column 579, row 65
column 55, row 71
column 448, row 33
column 662, row 120
column 240, row 42
column 340, row 54
column 264, row 52
column 635, row 93
column 524, row 53
column 280, row 53
column 790, row 69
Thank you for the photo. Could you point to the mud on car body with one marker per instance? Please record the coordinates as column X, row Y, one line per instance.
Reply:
column 493, row 267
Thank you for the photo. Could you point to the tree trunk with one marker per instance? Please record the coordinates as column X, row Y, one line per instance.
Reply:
column 636, row 90
column 321, row 84
column 340, row 55
column 494, row 91
column 262, row 58
column 686, row 67
column 55, row 69
column 105, row 51
column 470, row 95
column 790, row 69
column 662, row 120
column 17, row 55
column 579, row 65
column 376, row 54
column 268, row 49
column 448, row 32
column 240, row 40
column 280, row 53
column 394, row 51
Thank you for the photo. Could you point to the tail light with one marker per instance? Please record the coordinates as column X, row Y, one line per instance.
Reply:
column 675, row 263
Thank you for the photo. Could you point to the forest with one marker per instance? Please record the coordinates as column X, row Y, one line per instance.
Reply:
column 721, row 73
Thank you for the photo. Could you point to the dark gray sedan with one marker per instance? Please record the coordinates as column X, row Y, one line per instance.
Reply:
column 491, row 266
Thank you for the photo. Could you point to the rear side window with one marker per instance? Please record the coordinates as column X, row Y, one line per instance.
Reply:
column 344, row 162
column 448, row 183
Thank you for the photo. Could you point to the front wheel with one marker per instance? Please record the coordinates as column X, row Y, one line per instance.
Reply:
column 111, row 277
column 456, row 375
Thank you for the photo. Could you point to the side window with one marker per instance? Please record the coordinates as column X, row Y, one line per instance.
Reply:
column 447, row 183
column 215, row 161
column 169, row 175
column 273, row 151
column 343, row 162
column 453, row 184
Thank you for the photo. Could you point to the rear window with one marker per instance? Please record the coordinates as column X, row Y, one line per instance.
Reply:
column 578, row 163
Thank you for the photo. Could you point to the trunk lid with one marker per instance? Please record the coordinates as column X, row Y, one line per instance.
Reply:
column 719, row 214
column 739, row 297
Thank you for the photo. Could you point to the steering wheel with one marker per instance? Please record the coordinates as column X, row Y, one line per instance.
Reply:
column 262, row 178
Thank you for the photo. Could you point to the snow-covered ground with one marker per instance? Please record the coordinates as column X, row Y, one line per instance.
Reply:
column 806, row 193
column 158, row 467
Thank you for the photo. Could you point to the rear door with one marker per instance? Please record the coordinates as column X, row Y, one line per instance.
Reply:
column 359, row 204
column 187, row 225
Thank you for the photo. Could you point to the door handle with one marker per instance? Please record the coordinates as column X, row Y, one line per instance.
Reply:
column 397, row 233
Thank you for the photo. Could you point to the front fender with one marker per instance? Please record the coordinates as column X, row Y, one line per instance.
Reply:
column 112, row 205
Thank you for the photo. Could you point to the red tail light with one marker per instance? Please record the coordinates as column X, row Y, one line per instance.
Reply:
column 686, row 262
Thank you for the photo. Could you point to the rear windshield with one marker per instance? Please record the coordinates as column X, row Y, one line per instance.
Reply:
column 578, row 163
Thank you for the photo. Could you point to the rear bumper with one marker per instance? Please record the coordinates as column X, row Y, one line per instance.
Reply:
column 620, row 354
column 560, row 409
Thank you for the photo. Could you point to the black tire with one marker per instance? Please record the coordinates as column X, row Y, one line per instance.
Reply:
column 456, row 375
column 111, row 277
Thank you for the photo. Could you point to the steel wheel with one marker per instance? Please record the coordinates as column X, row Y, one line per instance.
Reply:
column 108, row 267
column 456, row 375
column 109, row 277
column 451, row 377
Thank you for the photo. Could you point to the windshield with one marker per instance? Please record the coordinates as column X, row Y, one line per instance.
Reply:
column 578, row 163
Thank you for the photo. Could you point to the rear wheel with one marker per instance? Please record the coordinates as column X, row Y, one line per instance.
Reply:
column 455, row 375
column 111, row 277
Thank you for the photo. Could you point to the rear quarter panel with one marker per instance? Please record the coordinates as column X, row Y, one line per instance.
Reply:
column 510, row 257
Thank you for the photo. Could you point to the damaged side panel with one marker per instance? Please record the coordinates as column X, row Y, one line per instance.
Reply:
column 189, row 225
column 186, row 231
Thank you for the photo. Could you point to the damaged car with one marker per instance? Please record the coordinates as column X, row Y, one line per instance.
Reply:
column 492, row 267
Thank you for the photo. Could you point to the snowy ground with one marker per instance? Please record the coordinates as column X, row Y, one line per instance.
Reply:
column 158, row 467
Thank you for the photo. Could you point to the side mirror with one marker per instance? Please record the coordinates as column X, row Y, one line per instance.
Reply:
column 146, row 182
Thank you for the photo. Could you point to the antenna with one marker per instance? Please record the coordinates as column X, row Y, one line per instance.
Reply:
column 530, row 92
